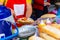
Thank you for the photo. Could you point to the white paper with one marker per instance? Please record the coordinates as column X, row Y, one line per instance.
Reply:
column 19, row 9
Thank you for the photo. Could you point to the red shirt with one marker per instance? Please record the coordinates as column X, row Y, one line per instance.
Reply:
column 39, row 4
column 11, row 3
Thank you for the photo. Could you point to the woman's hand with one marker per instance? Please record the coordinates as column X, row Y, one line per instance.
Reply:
column 12, row 12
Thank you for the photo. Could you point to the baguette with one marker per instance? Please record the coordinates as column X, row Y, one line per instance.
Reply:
column 54, row 32
column 46, row 37
column 56, row 25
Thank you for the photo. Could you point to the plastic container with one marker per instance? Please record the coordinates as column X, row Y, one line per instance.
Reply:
column 5, row 14
column 42, row 24
column 6, row 31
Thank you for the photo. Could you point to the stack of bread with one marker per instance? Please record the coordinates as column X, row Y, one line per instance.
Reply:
column 50, row 31
column 47, row 32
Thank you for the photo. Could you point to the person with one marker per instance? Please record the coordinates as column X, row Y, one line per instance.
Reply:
column 27, row 9
column 39, row 8
column 1, row 2
column 46, row 4
column 20, row 8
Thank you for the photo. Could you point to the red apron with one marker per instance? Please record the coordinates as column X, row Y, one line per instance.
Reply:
column 19, row 6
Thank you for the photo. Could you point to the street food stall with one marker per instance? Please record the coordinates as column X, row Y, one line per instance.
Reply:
column 47, row 27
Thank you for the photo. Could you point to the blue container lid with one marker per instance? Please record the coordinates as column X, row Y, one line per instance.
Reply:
column 4, row 12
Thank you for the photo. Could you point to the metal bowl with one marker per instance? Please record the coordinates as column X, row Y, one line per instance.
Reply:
column 26, row 31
